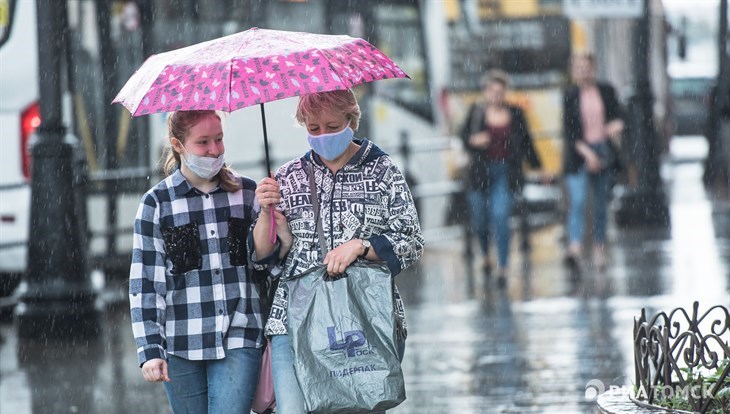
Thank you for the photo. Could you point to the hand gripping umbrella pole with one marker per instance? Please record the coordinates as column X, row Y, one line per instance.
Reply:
column 272, row 222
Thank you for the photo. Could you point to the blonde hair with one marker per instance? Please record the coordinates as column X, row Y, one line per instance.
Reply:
column 342, row 102
column 178, row 126
column 494, row 75
column 587, row 56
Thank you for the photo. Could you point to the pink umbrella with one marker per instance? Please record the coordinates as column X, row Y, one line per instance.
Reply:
column 252, row 67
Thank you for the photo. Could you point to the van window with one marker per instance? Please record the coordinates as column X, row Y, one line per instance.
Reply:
column 5, row 16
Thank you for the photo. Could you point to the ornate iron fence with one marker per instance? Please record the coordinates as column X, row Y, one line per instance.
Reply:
column 675, row 351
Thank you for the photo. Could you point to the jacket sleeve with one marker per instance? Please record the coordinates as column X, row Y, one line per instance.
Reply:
column 569, row 121
column 270, row 263
column 613, row 109
column 401, row 243
column 528, row 148
column 468, row 128
column 147, row 282
column 571, row 130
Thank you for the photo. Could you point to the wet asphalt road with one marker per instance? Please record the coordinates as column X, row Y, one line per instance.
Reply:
column 472, row 348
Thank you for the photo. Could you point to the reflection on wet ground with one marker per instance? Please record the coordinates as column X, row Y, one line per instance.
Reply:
column 99, row 376
column 535, row 347
column 472, row 348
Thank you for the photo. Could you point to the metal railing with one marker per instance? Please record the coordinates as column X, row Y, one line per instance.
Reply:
column 682, row 354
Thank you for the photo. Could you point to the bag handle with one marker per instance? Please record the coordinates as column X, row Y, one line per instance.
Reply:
column 315, row 206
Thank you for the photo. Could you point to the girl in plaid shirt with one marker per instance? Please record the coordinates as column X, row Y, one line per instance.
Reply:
column 196, row 312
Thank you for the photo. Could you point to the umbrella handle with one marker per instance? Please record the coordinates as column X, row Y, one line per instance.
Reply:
column 272, row 227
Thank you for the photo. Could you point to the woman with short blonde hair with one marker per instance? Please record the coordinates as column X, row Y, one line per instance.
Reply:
column 365, row 208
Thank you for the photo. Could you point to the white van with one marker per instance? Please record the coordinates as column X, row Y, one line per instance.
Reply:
column 19, row 116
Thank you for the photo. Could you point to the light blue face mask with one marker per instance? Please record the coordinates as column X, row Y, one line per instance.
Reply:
column 330, row 146
column 203, row 167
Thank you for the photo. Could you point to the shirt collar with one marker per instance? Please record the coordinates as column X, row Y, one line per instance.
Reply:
column 182, row 187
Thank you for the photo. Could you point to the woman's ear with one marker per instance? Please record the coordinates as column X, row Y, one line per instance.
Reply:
column 176, row 144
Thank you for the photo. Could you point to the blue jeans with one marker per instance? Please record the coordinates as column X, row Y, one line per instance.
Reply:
column 492, row 209
column 578, row 185
column 214, row 386
column 289, row 396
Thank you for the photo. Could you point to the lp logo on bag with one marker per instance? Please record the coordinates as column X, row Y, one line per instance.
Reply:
column 354, row 342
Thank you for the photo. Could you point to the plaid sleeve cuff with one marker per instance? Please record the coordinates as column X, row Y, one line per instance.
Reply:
column 150, row 352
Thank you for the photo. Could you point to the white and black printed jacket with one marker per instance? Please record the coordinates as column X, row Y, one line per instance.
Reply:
column 190, row 287
column 368, row 198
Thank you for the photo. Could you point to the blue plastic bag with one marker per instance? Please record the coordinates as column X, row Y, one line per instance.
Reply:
column 346, row 340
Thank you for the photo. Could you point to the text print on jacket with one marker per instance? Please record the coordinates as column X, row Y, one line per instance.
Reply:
column 368, row 198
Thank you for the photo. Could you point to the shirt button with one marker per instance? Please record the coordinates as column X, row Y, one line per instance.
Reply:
column 212, row 232
column 220, row 311
column 217, row 271
column 207, row 196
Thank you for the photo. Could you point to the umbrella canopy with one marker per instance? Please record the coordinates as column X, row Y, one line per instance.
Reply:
column 252, row 67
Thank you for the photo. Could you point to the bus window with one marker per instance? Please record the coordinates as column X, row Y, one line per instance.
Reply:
column 6, row 9
column 399, row 36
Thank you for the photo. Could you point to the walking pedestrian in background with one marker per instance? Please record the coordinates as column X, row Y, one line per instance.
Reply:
column 196, row 312
column 365, row 208
column 498, row 139
column 591, row 119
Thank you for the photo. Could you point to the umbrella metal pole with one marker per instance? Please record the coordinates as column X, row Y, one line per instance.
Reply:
column 272, row 233
column 266, row 142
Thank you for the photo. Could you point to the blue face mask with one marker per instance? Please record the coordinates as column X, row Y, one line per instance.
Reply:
column 203, row 167
column 331, row 146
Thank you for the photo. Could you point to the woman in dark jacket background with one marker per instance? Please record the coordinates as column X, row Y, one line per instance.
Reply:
column 591, row 118
column 498, row 141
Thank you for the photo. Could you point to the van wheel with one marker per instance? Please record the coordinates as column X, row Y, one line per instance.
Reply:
column 8, row 283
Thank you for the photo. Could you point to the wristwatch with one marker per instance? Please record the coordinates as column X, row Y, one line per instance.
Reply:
column 366, row 244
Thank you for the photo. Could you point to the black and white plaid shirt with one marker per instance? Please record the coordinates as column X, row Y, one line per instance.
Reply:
column 190, row 289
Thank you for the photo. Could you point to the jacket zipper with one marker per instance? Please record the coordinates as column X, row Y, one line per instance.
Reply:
column 332, row 199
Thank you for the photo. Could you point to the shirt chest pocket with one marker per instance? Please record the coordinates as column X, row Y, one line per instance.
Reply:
column 182, row 244
column 237, row 237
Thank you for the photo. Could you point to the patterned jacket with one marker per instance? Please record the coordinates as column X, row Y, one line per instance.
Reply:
column 368, row 198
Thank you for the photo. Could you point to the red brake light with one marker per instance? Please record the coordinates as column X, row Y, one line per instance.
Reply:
column 30, row 119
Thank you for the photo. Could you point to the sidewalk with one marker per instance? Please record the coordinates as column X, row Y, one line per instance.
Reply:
column 542, row 345
column 472, row 348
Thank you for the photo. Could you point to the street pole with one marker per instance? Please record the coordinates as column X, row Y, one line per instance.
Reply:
column 58, row 300
column 722, row 41
column 646, row 204
column 716, row 165
column 109, row 126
